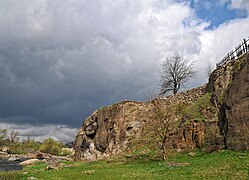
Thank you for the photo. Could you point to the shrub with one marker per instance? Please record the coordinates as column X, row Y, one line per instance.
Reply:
column 66, row 152
column 3, row 137
column 51, row 146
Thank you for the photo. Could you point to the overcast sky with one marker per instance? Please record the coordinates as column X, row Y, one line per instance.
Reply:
column 62, row 59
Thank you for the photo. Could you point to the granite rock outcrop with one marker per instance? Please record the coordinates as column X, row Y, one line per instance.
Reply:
column 229, row 85
column 110, row 130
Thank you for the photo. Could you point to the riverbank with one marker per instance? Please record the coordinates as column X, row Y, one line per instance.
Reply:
column 6, row 165
column 14, row 162
column 197, row 165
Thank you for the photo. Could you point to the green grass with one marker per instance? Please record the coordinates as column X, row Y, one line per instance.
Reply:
column 194, row 110
column 217, row 165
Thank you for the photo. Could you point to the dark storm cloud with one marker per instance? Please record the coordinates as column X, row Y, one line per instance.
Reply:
column 61, row 60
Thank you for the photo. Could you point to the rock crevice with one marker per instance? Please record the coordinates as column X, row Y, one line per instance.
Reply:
column 229, row 86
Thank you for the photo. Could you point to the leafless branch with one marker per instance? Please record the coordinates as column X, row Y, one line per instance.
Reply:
column 175, row 73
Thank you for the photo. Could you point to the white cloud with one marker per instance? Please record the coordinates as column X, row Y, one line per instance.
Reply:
column 39, row 133
column 236, row 4
column 240, row 4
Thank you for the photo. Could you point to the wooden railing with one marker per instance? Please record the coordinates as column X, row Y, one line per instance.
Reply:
column 239, row 50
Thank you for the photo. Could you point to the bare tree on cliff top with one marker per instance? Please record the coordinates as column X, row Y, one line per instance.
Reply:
column 176, row 71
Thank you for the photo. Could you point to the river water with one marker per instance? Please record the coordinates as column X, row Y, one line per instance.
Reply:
column 9, row 165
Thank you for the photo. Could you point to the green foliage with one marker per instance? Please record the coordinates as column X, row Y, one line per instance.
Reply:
column 51, row 146
column 239, row 63
column 194, row 110
column 16, row 148
column 23, row 147
column 65, row 152
column 31, row 145
column 48, row 146
column 161, row 124
column 3, row 137
column 3, row 134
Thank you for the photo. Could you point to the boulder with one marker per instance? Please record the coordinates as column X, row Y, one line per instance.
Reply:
column 29, row 162
column 6, row 150
column 40, row 155
column 14, row 158
column 54, row 164
column 3, row 153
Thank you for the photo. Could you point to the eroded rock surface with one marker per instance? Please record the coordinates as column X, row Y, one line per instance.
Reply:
column 111, row 129
column 229, row 86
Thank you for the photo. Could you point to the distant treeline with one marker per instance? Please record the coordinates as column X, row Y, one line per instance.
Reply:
column 10, row 142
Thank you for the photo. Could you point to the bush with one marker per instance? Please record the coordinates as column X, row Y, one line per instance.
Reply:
column 3, row 137
column 51, row 146
column 66, row 152
column 31, row 145
column 55, row 150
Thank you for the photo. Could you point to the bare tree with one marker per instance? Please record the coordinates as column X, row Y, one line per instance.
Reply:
column 209, row 69
column 175, row 73
column 161, row 124
column 3, row 136
column 151, row 94
column 14, row 136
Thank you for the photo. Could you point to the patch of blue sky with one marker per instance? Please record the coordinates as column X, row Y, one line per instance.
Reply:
column 215, row 12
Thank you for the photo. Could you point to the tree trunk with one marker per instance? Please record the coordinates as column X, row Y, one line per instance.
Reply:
column 165, row 154
column 175, row 91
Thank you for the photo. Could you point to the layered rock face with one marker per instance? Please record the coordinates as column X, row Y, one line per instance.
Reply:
column 229, row 86
column 110, row 130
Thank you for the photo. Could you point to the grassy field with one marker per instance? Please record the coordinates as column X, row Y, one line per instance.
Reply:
column 217, row 165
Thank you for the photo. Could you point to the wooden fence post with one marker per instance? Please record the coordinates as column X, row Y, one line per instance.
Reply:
column 246, row 48
column 239, row 50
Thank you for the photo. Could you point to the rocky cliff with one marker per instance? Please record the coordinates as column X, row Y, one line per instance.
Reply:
column 215, row 115
column 229, row 85
column 110, row 130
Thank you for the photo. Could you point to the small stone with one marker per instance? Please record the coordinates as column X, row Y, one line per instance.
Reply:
column 54, row 165
column 13, row 158
column 89, row 172
column 31, row 178
column 178, row 164
column 191, row 154
column 6, row 149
